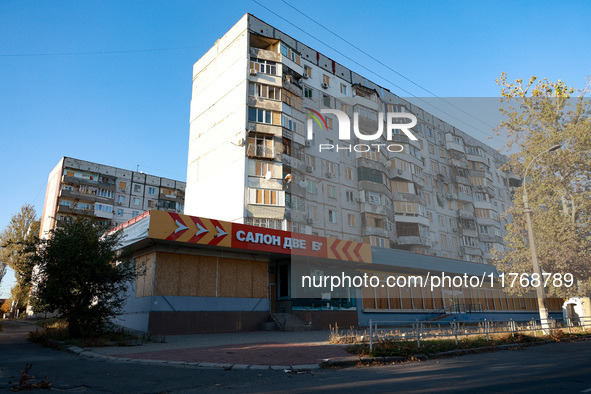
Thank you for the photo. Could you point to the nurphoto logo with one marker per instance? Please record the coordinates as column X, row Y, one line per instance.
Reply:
column 394, row 125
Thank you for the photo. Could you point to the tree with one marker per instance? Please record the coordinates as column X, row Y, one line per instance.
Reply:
column 76, row 275
column 538, row 115
column 16, row 246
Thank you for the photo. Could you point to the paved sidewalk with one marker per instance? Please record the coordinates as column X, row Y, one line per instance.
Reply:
column 265, row 349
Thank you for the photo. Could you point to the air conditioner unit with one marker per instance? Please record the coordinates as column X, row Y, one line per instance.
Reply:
column 359, row 199
column 330, row 174
column 288, row 215
column 324, row 85
column 306, row 76
column 309, row 168
column 308, row 143
column 253, row 71
column 399, row 171
column 310, row 220
column 455, row 230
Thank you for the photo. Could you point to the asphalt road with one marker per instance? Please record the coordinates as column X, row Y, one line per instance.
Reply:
column 557, row 367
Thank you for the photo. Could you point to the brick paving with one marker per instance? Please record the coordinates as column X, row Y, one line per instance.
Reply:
column 269, row 353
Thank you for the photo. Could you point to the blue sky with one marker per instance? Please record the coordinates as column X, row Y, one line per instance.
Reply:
column 110, row 81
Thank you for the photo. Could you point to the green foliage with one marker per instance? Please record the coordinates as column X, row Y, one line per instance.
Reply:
column 76, row 275
column 16, row 247
column 538, row 115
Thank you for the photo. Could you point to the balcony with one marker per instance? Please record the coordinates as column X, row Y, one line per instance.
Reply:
column 378, row 231
column 465, row 214
column 411, row 218
column 413, row 240
column 259, row 151
column 77, row 195
column 265, row 54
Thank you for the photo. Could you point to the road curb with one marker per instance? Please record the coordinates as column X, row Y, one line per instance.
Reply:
column 202, row 365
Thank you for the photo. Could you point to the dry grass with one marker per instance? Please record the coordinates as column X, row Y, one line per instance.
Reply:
column 54, row 329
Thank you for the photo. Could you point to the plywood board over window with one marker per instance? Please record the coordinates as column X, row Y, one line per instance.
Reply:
column 143, row 283
column 209, row 276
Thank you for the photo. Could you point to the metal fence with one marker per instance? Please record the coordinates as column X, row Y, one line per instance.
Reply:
column 421, row 330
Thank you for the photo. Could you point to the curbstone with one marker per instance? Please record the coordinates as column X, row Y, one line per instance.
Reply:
column 280, row 367
column 240, row 366
column 208, row 365
column 394, row 359
column 305, row 367
column 261, row 367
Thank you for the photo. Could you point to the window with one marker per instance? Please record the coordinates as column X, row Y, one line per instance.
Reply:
column 443, row 239
column 377, row 241
column 349, row 195
column 473, row 150
column 441, row 221
column 329, row 122
column 292, row 124
column 480, row 196
column 332, row 191
column 136, row 201
column 442, row 153
column 351, row 220
column 326, row 79
column 101, row 207
column 264, row 222
column 308, row 70
column 348, row 173
column 401, row 186
column 134, row 213
column 344, row 108
column 374, row 198
column 314, row 212
column 477, row 181
column 120, row 212
column 326, row 100
column 260, row 145
column 122, row 185
column 369, row 174
column 65, row 203
column 332, row 216
column 121, row 199
column 432, row 149
column 137, row 188
column 264, row 91
column 469, row 241
column 150, row 203
column 312, row 187
column 265, row 197
column 308, row 92
column 151, row 190
column 482, row 213
column 484, row 229
column 298, row 203
column 263, row 66
column 262, row 167
column 260, row 115
column 290, row 54
column 344, row 89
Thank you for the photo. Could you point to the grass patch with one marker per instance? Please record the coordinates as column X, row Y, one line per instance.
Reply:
column 57, row 330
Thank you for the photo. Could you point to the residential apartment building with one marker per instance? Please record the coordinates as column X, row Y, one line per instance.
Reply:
column 107, row 194
column 255, row 96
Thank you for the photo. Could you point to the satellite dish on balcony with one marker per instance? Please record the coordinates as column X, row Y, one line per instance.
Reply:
column 303, row 183
column 389, row 163
column 287, row 178
column 268, row 175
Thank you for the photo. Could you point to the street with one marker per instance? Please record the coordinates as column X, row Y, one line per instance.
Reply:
column 564, row 367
